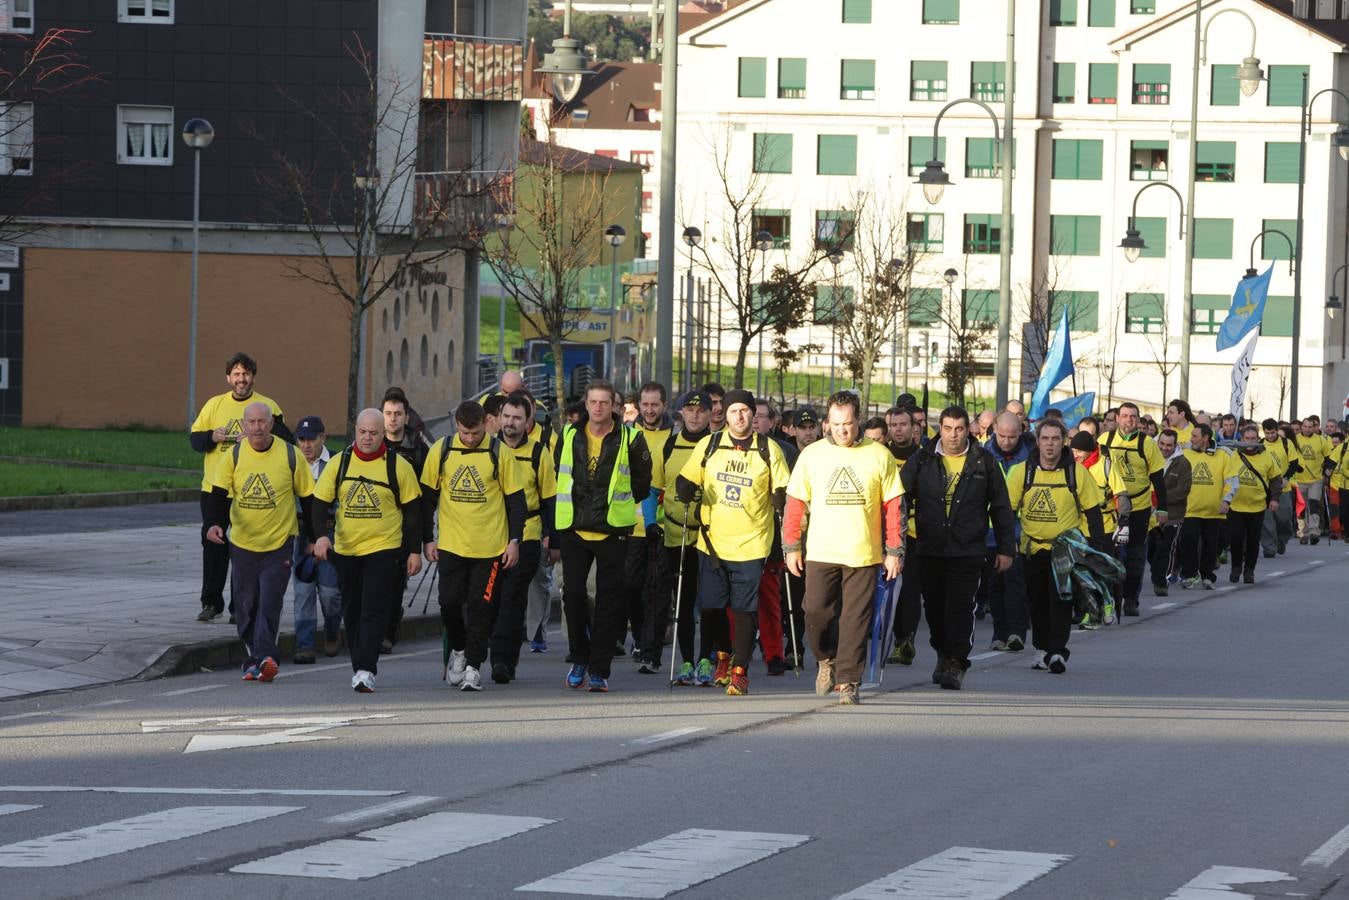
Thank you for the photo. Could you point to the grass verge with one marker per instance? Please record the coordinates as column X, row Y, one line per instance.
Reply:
column 166, row 449
column 44, row 480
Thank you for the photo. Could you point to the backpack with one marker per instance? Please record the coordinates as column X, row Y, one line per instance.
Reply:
column 714, row 444
column 492, row 450
column 1136, row 447
column 290, row 456
column 1032, row 465
column 390, row 459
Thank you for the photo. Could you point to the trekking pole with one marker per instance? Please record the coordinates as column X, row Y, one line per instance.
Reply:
column 679, row 595
column 430, row 589
column 417, row 590
column 791, row 620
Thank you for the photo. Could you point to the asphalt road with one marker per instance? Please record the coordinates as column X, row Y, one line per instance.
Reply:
column 1199, row 746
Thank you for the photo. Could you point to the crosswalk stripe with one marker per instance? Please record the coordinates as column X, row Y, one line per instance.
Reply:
column 383, row 850
column 667, row 865
column 381, row 809
column 1331, row 850
column 7, row 809
column 961, row 873
column 1216, row 883
column 124, row 835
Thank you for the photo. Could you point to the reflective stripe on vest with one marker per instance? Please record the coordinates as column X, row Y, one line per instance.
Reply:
column 622, row 512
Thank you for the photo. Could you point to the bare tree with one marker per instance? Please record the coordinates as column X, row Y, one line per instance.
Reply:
column 969, row 340
column 1159, row 347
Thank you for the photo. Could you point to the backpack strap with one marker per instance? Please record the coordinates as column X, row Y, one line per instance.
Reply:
column 1258, row 477
column 536, row 456
column 290, row 458
column 391, row 462
column 668, row 449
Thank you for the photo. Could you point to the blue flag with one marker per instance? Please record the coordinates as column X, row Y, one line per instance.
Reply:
column 1248, row 308
column 1058, row 365
column 1075, row 409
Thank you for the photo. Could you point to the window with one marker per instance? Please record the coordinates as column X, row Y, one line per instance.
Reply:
column 857, row 12
column 1083, row 309
column 836, row 154
column 1281, row 162
column 1077, row 160
column 833, row 228
column 643, row 157
column 920, row 152
column 778, row 223
column 983, row 156
column 639, row 113
column 1143, row 313
column 1075, row 235
column 753, row 76
column 1152, row 84
column 1062, row 12
column 16, row 16
column 1278, row 320
column 983, row 233
column 1142, row 7
column 927, row 80
column 1101, row 13
column 924, row 307
column 858, row 80
column 156, row 11
column 580, row 115
column 16, row 139
column 980, row 306
column 145, row 135
column 832, row 305
column 1285, row 85
column 926, row 232
column 941, row 12
column 1149, row 160
column 773, row 154
column 791, row 78
column 646, row 201
column 1208, row 312
column 1065, row 74
column 1154, row 234
column 1271, row 245
column 1102, row 83
column 1223, row 89
column 1216, row 161
column 1212, row 238
column 988, row 80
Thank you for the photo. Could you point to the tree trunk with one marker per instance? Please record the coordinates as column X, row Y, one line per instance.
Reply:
column 740, row 356
column 354, row 373
column 559, row 389
column 868, row 367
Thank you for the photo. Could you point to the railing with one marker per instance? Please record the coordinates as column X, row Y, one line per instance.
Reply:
column 463, row 204
column 472, row 67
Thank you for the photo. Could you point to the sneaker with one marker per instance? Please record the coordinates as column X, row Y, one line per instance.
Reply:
column 1316, row 539
column 267, row 669
column 980, row 612
column 454, row 672
column 1210, row 583
column 209, row 614
column 776, row 666
column 738, row 686
column 598, row 685
column 1131, row 608
column 684, row 678
column 953, row 676
column 576, row 676
column 251, row 673
column 386, row 646
column 1173, row 578
column 1248, row 576
column 1108, row 614
column 824, row 678
column 940, row 669
column 1269, row 554
column 304, row 656
column 649, row 666
column 538, row 645
column 1222, row 558
column 1302, row 541
column 1016, row 643
column 998, row 645
column 330, row 646
column 703, row 674
column 1057, row 664
column 1190, row 583
column 1088, row 623
column 501, row 673
column 848, row 694
column 1160, row 590
column 363, row 682
column 723, row 674
column 1283, row 548
column 471, row 680
column 906, row 652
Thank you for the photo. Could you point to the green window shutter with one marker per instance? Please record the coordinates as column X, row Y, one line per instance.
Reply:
column 1212, row 238
column 791, row 78
column 981, row 157
column 1216, row 161
column 773, row 153
column 924, row 306
column 980, row 305
column 1271, row 245
column 1149, row 145
column 1077, row 159
column 1083, row 309
column 1281, row 162
column 1088, row 235
column 1223, row 89
column 778, row 223
column 834, row 228
column 1075, row 235
column 927, row 80
column 1278, row 320
column 836, row 154
column 1065, row 78
column 831, row 305
column 857, row 12
column 1153, row 232
column 931, row 70
column 1142, row 7
column 1102, row 82
column 983, row 233
column 858, row 79
column 1152, row 73
column 1062, row 12
column 1285, row 85
column 1207, row 312
column 926, row 231
column 920, row 151
column 985, row 78
column 941, row 12
column 1143, row 313
column 1101, row 13
column 753, row 76
column 1152, row 84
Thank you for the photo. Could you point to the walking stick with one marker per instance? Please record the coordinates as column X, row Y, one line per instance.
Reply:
column 679, row 595
column 417, row 590
column 791, row 617
column 431, row 589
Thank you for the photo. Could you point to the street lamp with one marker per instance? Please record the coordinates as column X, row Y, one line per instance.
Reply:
column 566, row 63
column 692, row 235
column 1133, row 244
column 197, row 134
column 835, row 258
column 1249, row 73
column 1250, row 269
column 950, row 276
column 615, row 235
column 764, row 242
column 366, row 180
column 900, row 336
column 1333, row 304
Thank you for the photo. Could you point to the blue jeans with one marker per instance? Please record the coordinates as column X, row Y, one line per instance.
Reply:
column 325, row 590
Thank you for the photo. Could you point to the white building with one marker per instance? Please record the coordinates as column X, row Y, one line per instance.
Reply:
column 840, row 96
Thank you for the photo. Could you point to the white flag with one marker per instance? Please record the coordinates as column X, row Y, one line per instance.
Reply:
column 1241, row 375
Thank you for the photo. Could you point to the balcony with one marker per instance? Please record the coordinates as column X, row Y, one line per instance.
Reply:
column 464, row 205
column 471, row 67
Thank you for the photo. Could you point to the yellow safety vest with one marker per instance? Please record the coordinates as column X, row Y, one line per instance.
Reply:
column 622, row 512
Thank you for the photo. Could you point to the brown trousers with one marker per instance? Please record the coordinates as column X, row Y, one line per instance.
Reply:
column 838, row 616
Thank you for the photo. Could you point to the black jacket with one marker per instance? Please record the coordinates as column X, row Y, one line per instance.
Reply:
column 590, row 496
column 980, row 495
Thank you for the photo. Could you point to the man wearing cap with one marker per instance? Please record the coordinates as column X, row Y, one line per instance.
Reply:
column 314, row 582
column 807, row 428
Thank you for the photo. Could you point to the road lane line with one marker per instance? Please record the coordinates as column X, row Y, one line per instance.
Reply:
column 1162, row 606
column 966, row 873
column 214, row 792
column 380, row 809
column 105, row 703
column 191, row 690
column 383, row 850
column 667, row 865
column 1316, row 562
column 667, row 735
column 384, row 660
column 125, row 835
column 28, row 715
column 1225, row 588
column 1219, row 881
column 1275, row 574
column 1331, row 850
column 8, row 809
column 989, row 655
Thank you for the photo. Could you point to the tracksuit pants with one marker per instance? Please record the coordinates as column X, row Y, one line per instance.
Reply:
column 657, row 616
column 1136, row 554
column 1243, row 535
column 508, row 631
column 635, row 588
column 370, row 584
column 258, row 586
column 468, row 603
column 1051, row 617
column 909, row 604
column 215, row 565
column 838, row 605
column 949, row 587
column 540, row 598
column 1199, row 548
column 1162, row 553
column 1313, row 496
column 1007, row 600
column 1278, row 526
column 592, row 639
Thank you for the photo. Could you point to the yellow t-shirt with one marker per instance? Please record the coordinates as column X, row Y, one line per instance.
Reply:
column 224, row 411
column 1339, row 477
column 1131, row 471
column 538, row 486
column 1313, row 451
column 1250, row 496
column 677, row 514
column 953, row 466
column 737, row 506
column 655, row 440
column 845, row 490
column 367, row 519
column 264, row 491
column 1208, row 471
column 1048, row 509
column 472, row 507
column 593, row 447
column 1277, row 449
column 1183, row 436
column 1098, row 474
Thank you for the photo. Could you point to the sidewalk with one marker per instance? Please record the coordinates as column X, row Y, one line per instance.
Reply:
column 99, row 595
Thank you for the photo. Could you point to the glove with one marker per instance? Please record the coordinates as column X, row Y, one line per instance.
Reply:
column 1122, row 535
column 655, row 533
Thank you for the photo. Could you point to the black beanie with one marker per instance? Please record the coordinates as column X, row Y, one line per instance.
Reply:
column 737, row 395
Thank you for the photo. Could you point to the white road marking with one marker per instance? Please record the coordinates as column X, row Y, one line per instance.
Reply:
column 27, row 715
column 870, row 685
column 7, row 809
column 1163, row 605
column 989, row 655
column 192, row 690
column 669, row 864
column 124, row 835
column 667, row 735
column 1225, row 588
column 1215, row 883
column 1274, row 574
column 384, row 660
column 214, row 792
column 1331, row 850
column 107, row 703
column 258, row 722
column 380, row 809
column 205, row 743
column 383, row 850
column 1316, row 562
column 962, row 873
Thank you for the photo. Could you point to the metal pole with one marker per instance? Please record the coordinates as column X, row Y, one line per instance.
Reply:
column 1303, row 117
column 904, row 327
column 613, row 314
column 192, row 309
column 1002, row 367
column 688, row 333
column 1187, row 294
column 664, row 370
column 758, row 378
column 501, row 332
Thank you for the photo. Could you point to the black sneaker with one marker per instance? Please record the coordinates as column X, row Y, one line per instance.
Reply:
column 1160, row 590
column 501, row 673
column 649, row 666
column 939, row 672
column 953, row 676
column 1057, row 664
column 776, row 666
column 209, row 614
column 1248, row 576
column 1131, row 609
column 1234, row 576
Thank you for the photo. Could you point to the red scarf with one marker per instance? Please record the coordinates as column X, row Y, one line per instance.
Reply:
column 368, row 457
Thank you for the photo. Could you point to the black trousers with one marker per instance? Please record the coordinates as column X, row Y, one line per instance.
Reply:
column 215, row 566
column 657, row 616
column 592, row 642
column 635, row 567
column 1136, row 554
column 1199, row 548
column 369, row 584
column 1051, row 618
column 1007, row 600
column 1243, row 536
column 794, row 613
column 909, row 603
column 468, row 608
column 949, row 587
column 1162, row 551
column 513, row 599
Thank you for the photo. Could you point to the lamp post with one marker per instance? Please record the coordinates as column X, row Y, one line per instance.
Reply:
column 692, row 236
column 1333, row 304
column 197, row 134
column 764, row 242
column 504, row 225
column 1133, row 244
column 835, row 258
column 565, row 63
column 615, row 235
column 1250, row 268
column 367, row 182
column 950, row 276
column 665, row 253
column 895, row 340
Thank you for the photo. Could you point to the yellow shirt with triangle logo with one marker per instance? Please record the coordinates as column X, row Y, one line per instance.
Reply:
column 538, row 486
column 367, row 519
column 1312, row 452
column 1339, row 478
column 737, row 506
column 472, row 509
column 1131, row 469
column 1250, row 496
column 844, row 490
column 1048, row 508
column 1108, row 517
column 1208, row 472
column 264, row 491
column 224, row 411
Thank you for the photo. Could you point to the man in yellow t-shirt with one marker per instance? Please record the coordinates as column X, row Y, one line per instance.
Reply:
column 214, row 433
column 1312, row 448
column 1259, row 483
column 646, row 554
column 1213, row 484
column 470, row 487
column 1280, row 525
column 1337, row 465
column 378, row 537
column 1053, row 494
column 1135, row 464
column 847, row 488
column 262, row 478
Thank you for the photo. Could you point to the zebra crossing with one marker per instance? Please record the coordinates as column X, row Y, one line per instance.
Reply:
column 654, row 869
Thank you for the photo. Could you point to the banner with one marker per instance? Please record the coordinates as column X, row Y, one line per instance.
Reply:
column 1248, row 308
column 1058, row 366
column 1241, row 375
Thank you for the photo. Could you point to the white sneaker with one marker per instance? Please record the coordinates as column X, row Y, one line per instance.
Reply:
column 472, row 681
column 455, row 673
column 363, row 682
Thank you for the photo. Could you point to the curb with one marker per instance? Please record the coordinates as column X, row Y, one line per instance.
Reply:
column 90, row 501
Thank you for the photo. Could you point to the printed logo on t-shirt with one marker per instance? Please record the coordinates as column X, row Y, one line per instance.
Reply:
column 233, row 428
column 733, row 487
column 257, row 493
column 1202, row 474
column 1041, row 507
column 1248, row 477
column 361, row 502
column 466, row 486
column 845, row 489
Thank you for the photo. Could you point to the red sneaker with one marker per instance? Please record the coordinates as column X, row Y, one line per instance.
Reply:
column 723, row 674
column 267, row 669
column 739, row 682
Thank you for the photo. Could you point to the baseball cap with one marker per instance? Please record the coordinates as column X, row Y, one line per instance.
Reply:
column 310, row 427
column 806, row 416
column 699, row 399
